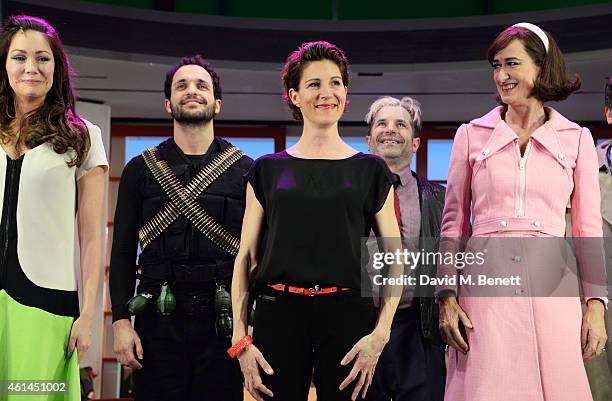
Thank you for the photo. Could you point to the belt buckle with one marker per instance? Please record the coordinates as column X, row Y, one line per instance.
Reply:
column 313, row 291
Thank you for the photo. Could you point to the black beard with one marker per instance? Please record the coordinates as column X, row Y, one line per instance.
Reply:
column 192, row 118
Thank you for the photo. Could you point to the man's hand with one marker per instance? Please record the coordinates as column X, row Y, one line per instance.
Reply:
column 126, row 342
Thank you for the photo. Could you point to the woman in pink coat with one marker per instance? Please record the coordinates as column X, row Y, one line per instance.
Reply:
column 517, row 168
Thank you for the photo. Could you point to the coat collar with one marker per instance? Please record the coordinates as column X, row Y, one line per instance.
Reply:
column 548, row 134
column 489, row 120
column 502, row 134
column 555, row 119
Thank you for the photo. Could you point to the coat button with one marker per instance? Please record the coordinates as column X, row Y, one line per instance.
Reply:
column 537, row 223
column 503, row 223
column 486, row 152
column 516, row 258
column 561, row 156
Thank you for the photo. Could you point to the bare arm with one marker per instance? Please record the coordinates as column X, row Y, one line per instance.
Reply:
column 387, row 229
column 367, row 350
column 246, row 261
column 91, row 202
column 90, row 205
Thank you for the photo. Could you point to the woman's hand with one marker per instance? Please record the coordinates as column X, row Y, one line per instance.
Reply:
column 80, row 337
column 593, row 335
column 251, row 360
column 450, row 315
column 367, row 350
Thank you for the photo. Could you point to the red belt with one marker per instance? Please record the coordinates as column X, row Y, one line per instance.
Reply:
column 316, row 290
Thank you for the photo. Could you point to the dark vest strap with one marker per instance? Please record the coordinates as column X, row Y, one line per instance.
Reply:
column 182, row 199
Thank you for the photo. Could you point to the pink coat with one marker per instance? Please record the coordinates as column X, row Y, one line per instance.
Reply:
column 521, row 348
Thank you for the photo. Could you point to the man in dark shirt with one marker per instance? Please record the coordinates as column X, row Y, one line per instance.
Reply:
column 411, row 367
column 182, row 204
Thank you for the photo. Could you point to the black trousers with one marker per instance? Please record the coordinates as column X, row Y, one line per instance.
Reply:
column 184, row 360
column 410, row 367
column 299, row 335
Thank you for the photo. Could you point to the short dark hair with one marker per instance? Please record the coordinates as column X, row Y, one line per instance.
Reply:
column 300, row 58
column 552, row 82
column 609, row 93
column 193, row 60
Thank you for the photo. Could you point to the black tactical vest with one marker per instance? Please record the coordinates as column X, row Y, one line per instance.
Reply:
column 223, row 200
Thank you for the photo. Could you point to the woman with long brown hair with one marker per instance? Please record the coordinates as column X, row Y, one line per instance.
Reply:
column 52, row 165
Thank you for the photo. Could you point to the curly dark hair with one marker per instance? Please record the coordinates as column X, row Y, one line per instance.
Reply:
column 55, row 121
column 552, row 82
column 193, row 60
column 297, row 61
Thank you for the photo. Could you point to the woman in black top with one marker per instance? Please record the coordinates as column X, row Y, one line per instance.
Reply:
column 307, row 209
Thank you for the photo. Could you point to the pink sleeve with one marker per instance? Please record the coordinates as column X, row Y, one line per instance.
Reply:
column 456, row 217
column 586, row 220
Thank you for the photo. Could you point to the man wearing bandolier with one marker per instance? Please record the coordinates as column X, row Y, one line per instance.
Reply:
column 182, row 202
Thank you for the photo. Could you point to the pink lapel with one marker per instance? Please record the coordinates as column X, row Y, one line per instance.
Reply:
column 548, row 134
column 501, row 134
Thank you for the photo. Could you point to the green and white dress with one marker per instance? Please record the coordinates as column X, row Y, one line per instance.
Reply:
column 38, row 290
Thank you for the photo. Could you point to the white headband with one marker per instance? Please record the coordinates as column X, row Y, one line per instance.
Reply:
column 535, row 29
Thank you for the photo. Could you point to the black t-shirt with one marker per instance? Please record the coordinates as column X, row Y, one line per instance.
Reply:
column 316, row 212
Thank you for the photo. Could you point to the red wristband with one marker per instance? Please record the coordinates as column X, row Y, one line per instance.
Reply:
column 240, row 346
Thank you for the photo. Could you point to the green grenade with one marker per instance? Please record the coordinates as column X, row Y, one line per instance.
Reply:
column 139, row 303
column 166, row 303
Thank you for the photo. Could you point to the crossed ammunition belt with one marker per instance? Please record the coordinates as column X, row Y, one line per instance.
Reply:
column 183, row 200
